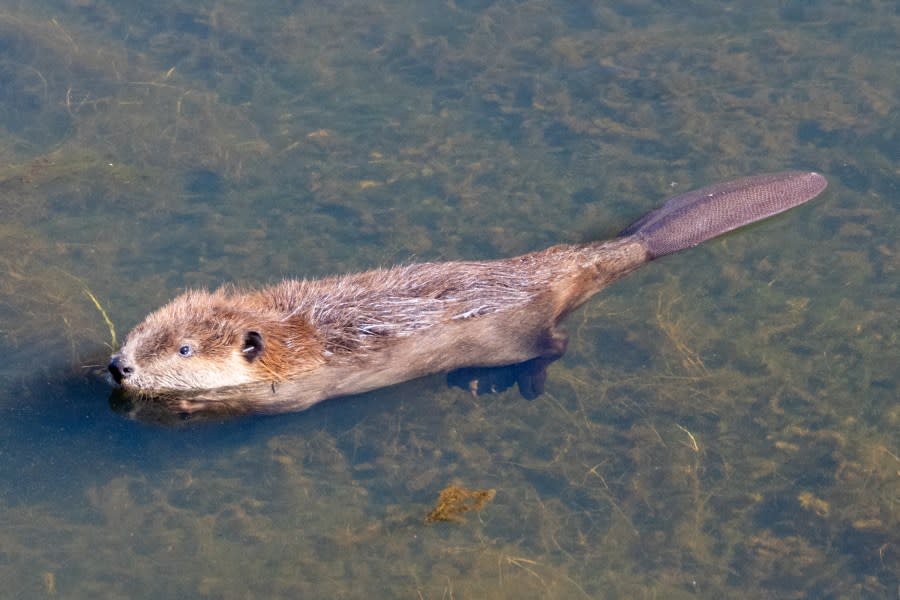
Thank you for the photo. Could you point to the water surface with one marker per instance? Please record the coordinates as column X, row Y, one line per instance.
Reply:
column 725, row 423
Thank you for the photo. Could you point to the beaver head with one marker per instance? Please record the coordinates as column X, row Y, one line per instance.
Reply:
column 203, row 341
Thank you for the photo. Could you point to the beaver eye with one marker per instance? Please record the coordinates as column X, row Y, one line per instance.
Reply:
column 186, row 350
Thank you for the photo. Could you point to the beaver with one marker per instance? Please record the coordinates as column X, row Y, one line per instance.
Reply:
column 488, row 324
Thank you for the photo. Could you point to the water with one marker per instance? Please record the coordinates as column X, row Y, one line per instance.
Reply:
column 724, row 424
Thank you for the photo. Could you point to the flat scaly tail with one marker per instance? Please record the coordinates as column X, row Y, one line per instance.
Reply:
column 691, row 218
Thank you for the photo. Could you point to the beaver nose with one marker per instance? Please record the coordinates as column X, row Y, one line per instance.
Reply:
column 119, row 369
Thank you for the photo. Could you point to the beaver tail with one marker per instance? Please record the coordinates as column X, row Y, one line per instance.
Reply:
column 691, row 218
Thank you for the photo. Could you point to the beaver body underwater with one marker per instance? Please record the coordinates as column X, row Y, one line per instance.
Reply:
column 489, row 324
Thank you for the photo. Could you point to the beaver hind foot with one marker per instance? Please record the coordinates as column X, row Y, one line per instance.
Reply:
column 530, row 376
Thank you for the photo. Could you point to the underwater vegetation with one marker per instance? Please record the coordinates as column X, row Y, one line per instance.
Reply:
column 725, row 423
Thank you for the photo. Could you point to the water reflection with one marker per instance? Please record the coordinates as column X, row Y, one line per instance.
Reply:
column 723, row 426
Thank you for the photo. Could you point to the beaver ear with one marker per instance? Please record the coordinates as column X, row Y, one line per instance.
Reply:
column 253, row 346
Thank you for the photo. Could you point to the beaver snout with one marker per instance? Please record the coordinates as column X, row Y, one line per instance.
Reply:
column 119, row 369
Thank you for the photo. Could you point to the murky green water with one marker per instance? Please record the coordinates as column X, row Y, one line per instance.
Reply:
column 725, row 423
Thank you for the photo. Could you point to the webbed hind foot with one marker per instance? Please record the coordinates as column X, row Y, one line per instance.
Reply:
column 530, row 375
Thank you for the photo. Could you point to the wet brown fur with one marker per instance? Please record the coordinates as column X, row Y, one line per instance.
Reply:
column 348, row 334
